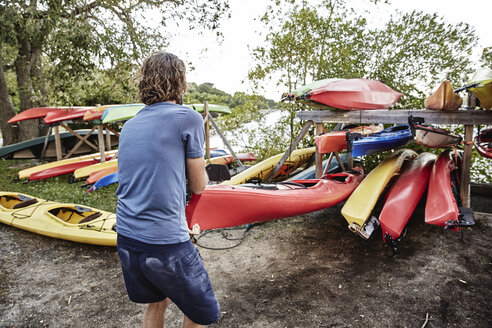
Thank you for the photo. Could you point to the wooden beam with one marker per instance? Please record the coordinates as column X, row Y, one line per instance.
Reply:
column 216, row 127
column 80, row 137
column 318, row 158
column 58, row 143
column 467, row 117
column 112, row 130
column 100, row 139
column 287, row 153
column 77, row 146
column 108, row 137
column 46, row 141
column 465, row 170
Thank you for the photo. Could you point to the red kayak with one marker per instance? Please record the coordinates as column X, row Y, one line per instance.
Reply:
column 94, row 176
column 37, row 112
column 442, row 207
column 337, row 141
column 483, row 143
column 66, row 115
column 62, row 169
column 353, row 94
column 221, row 206
column 403, row 197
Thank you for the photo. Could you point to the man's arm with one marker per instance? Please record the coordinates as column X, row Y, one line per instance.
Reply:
column 197, row 176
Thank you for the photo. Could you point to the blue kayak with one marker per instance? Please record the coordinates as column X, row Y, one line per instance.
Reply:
column 390, row 138
column 217, row 152
column 104, row 181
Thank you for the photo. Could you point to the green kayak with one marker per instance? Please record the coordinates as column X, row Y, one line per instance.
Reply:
column 211, row 107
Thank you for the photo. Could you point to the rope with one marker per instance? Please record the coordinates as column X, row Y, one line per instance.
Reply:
column 241, row 239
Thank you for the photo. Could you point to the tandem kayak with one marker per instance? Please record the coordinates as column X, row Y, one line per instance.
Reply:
column 360, row 204
column 220, row 206
column 73, row 222
column 390, row 138
column 404, row 196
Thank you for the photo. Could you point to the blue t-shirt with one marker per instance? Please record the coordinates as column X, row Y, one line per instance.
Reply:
column 153, row 148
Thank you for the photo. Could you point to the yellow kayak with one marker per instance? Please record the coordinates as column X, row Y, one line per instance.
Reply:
column 58, row 220
column 27, row 172
column 86, row 171
column 360, row 204
column 483, row 90
column 261, row 170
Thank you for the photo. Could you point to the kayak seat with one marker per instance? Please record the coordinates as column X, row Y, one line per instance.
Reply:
column 25, row 203
column 90, row 217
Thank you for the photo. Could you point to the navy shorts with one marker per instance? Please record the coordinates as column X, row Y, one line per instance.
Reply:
column 154, row 272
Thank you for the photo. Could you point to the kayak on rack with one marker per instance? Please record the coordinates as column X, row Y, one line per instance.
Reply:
column 483, row 89
column 211, row 108
column 260, row 171
column 228, row 159
column 73, row 222
column 337, row 140
column 354, row 94
column 96, row 113
column 310, row 172
column 403, row 197
column 444, row 98
column 483, row 143
column 390, row 138
column 362, row 201
column 443, row 206
column 220, row 206
column 433, row 137
column 66, row 115
column 39, row 112
column 27, row 172
column 121, row 112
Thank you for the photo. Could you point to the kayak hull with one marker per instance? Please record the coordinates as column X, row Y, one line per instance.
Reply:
column 390, row 138
column 441, row 205
column 60, row 170
column 337, row 141
column 72, row 222
column 433, row 137
column 260, row 171
column 483, row 143
column 359, row 205
column 221, row 206
column 38, row 112
column 404, row 196
column 65, row 115
column 443, row 98
column 355, row 94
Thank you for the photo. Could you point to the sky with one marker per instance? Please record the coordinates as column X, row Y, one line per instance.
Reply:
column 226, row 64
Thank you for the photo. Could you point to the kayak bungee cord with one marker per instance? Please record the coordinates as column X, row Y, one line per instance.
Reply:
column 241, row 239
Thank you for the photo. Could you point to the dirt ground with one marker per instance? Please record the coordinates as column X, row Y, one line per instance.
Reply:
column 306, row 271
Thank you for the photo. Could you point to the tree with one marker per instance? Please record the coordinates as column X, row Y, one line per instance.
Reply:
column 62, row 41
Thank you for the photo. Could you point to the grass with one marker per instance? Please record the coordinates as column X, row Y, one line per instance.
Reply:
column 56, row 189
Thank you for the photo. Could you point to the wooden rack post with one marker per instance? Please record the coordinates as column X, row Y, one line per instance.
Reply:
column 207, row 130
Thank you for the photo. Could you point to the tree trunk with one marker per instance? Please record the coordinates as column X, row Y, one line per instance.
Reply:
column 27, row 129
column 9, row 132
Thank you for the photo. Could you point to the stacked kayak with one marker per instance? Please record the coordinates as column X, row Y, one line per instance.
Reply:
column 483, row 143
column 220, row 109
column 262, row 170
column 433, row 137
column 403, row 197
column 362, row 201
column 310, row 172
column 443, row 201
column 348, row 94
column 58, row 220
column 65, row 115
column 40, row 112
column 337, row 141
column 390, row 138
column 220, row 206
column 121, row 112
column 444, row 98
column 483, row 88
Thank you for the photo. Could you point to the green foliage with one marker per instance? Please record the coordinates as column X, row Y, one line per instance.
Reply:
column 487, row 58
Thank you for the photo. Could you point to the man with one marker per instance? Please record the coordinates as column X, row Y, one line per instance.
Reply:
column 158, row 149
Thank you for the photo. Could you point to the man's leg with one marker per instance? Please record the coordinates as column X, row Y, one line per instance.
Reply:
column 187, row 323
column 154, row 314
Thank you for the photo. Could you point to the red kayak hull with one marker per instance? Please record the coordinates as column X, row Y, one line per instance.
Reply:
column 483, row 143
column 441, row 205
column 66, row 115
column 337, row 141
column 36, row 112
column 354, row 94
column 405, row 194
column 62, row 169
column 221, row 206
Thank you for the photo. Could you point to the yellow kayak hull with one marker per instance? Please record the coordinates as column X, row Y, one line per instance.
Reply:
column 261, row 170
column 86, row 171
column 359, row 205
column 24, row 174
column 73, row 222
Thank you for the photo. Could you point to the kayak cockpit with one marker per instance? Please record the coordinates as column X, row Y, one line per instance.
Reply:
column 74, row 214
column 15, row 201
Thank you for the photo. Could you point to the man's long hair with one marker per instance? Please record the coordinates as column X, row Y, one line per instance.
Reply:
column 162, row 77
